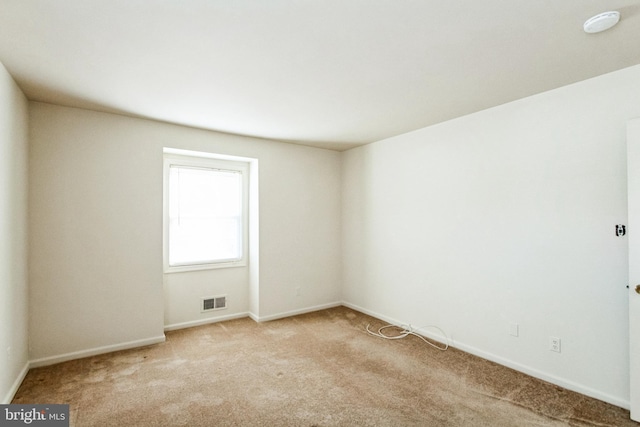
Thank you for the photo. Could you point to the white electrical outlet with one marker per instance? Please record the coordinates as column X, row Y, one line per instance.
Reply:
column 514, row 329
column 298, row 291
column 554, row 344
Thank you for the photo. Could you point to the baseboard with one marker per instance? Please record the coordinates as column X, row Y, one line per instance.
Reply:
column 16, row 384
column 201, row 322
column 94, row 351
column 569, row 385
column 564, row 383
column 294, row 312
column 251, row 315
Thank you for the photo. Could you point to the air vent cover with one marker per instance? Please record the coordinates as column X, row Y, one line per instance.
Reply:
column 214, row 303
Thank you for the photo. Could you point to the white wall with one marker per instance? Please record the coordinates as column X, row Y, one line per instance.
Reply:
column 96, row 231
column 500, row 217
column 183, row 293
column 95, row 236
column 13, row 243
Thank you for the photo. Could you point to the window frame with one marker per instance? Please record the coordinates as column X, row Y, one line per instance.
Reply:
column 208, row 162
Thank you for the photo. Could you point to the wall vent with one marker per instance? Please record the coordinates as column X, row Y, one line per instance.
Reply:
column 214, row 303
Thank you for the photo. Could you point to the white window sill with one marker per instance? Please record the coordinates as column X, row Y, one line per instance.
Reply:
column 199, row 267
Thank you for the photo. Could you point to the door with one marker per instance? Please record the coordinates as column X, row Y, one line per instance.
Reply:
column 633, row 189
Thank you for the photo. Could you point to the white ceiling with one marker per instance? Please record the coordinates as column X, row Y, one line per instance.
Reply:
column 330, row 73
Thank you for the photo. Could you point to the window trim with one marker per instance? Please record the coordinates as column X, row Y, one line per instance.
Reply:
column 207, row 161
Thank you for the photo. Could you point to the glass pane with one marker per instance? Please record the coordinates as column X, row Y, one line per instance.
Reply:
column 205, row 215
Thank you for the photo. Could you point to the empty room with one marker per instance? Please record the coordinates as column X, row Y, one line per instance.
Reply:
column 336, row 213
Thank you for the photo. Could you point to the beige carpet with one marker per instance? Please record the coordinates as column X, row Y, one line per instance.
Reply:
column 318, row 369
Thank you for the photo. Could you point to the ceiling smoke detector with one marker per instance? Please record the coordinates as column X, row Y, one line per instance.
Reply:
column 601, row 22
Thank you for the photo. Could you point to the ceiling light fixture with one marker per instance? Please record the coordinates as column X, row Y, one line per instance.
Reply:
column 601, row 22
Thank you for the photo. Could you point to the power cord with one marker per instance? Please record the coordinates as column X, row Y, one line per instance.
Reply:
column 406, row 330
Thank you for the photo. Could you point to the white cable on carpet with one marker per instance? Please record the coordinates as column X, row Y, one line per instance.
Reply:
column 406, row 330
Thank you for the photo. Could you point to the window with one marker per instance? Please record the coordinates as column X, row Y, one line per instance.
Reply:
column 205, row 213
